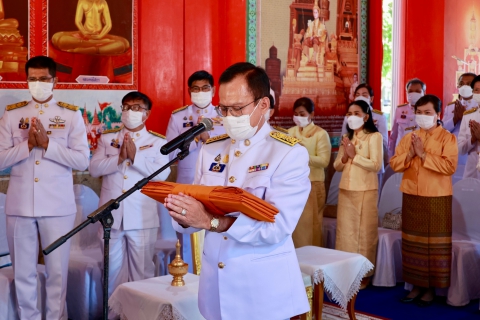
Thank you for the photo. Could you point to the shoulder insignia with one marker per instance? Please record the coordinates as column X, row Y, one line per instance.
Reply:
column 402, row 105
column 280, row 129
column 67, row 106
column 451, row 103
column 377, row 112
column 16, row 105
column 470, row 111
column 179, row 109
column 117, row 129
column 157, row 134
column 291, row 141
column 217, row 138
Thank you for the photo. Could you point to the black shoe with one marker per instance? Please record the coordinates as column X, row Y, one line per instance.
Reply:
column 422, row 303
column 407, row 299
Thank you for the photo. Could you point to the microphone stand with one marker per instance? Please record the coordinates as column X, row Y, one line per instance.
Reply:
column 104, row 215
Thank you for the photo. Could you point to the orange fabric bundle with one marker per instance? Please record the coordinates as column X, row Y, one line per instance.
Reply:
column 217, row 200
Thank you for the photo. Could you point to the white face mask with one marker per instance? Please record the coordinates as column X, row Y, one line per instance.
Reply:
column 267, row 115
column 355, row 122
column 201, row 99
column 40, row 91
column 239, row 128
column 425, row 122
column 301, row 121
column 367, row 100
column 476, row 97
column 465, row 91
column 132, row 119
column 412, row 97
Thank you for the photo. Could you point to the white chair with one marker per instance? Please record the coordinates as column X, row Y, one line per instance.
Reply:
column 165, row 245
column 458, row 175
column 388, row 269
column 84, row 287
column 465, row 273
column 330, row 224
column 387, row 174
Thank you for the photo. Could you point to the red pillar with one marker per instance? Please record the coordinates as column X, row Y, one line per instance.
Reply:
column 375, row 49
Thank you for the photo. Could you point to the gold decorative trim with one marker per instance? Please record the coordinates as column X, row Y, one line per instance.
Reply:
column 157, row 134
column 67, row 106
column 16, row 105
column 291, row 141
column 217, row 138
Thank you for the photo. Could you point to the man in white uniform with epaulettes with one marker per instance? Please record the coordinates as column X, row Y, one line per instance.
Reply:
column 42, row 141
column 249, row 267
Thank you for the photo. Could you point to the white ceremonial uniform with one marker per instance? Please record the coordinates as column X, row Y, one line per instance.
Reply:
column 380, row 122
column 40, row 198
column 136, row 222
column 455, row 129
column 403, row 123
column 251, row 271
column 465, row 146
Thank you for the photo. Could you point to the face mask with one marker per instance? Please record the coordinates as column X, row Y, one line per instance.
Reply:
column 201, row 99
column 367, row 100
column 425, row 122
column 267, row 115
column 40, row 91
column 132, row 119
column 301, row 121
column 355, row 122
column 465, row 91
column 476, row 97
column 239, row 128
column 413, row 97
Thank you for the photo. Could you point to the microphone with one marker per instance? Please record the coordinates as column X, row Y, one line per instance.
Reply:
column 185, row 138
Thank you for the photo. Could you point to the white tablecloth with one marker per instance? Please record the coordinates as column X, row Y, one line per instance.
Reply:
column 341, row 272
column 155, row 298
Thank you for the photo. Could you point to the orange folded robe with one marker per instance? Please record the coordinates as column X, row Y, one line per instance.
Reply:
column 217, row 200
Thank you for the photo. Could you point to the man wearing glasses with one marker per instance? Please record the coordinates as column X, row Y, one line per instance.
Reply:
column 42, row 140
column 249, row 268
column 123, row 157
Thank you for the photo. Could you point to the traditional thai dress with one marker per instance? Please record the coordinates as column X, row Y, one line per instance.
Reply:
column 427, row 207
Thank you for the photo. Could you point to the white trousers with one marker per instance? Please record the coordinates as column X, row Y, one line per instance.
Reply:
column 131, row 256
column 23, row 244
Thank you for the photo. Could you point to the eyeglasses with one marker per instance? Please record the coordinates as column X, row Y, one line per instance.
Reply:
column 133, row 107
column 41, row 79
column 196, row 89
column 222, row 111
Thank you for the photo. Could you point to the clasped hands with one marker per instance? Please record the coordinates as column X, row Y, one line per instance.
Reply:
column 349, row 149
column 188, row 211
column 416, row 148
column 474, row 130
column 458, row 112
column 37, row 135
column 127, row 150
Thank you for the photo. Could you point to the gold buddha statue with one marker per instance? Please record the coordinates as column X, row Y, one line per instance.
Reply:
column 93, row 21
column 6, row 23
column 13, row 55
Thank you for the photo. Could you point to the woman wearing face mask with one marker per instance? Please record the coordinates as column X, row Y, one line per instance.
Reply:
column 360, row 158
column 309, row 228
column 427, row 158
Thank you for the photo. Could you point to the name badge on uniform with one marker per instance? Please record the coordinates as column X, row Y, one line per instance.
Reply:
column 259, row 167
column 58, row 123
column 217, row 167
column 24, row 124
column 145, row 147
column 188, row 124
column 115, row 143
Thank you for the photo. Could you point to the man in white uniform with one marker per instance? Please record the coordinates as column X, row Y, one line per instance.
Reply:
column 201, row 90
column 404, row 121
column 469, row 133
column 125, row 156
column 249, row 267
column 42, row 141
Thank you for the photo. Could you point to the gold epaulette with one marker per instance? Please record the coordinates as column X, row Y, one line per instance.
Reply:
column 280, row 129
column 16, row 105
column 402, row 105
column 217, row 138
column 113, row 130
column 179, row 109
column 377, row 112
column 470, row 111
column 451, row 103
column 291, row 141
column 67, row 106
column 157, row 134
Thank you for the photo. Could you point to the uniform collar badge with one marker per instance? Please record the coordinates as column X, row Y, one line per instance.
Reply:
column 24, row 123
column 58, row 123
column 190, row 118
column 217, row 167
column 115, row 143
column 225, row 159
column 259, row 167
column 218, row 158
column 185, row 118
column 145, row 147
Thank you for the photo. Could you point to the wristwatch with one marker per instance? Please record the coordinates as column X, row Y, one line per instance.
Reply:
column 214, row 223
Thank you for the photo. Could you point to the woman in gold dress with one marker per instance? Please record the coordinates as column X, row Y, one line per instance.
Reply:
column 309, row 228
column 359, row 159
